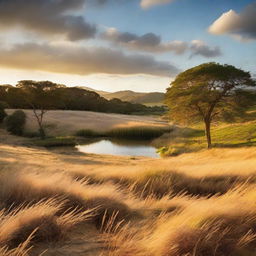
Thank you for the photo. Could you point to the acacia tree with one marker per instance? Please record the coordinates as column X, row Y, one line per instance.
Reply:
column 40, row 97
column 209, row 91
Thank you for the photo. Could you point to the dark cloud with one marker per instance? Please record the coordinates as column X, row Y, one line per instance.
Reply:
column 149, row 42
column 82, row 61
column 241, row 26
column 49, row 17
column 152, row 43
column 199, row 47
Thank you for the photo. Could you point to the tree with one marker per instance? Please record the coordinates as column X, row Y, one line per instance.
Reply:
column 40, row 97
column 208, row 91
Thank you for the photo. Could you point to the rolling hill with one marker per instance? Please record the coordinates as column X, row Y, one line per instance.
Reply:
column 151, row 98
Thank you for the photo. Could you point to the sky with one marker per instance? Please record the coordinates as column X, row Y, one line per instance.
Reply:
column 114, row 45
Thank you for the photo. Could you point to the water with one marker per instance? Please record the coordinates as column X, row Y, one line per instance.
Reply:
column 119, row 148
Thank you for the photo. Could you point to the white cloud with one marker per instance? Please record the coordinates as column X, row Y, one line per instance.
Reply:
column 241, row 26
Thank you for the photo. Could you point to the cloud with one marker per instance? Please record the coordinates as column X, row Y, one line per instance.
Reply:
column 82, row 61
column 241, row 26
column 152, row 43
column 199, row 47
column 149, row 42
column 145, row 4
column 47, row 17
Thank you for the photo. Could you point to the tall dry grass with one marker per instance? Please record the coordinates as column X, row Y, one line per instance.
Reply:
column 20, row 188
column 170, row 207
column 23, row 226
column 214, row 226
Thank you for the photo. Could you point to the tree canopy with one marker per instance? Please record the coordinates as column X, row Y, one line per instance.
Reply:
column 50, row 95
column 41, row 96
column 207, row 92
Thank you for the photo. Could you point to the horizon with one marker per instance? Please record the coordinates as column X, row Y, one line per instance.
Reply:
column 98, row 44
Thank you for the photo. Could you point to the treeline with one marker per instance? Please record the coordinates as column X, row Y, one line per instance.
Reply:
column 29, row 94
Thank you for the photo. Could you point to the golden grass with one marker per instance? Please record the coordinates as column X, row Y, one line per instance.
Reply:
column 196, row 204
column 204, row 227
column 65, row 123
column 22, row 226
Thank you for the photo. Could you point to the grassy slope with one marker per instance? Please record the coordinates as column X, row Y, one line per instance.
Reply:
column 223, row 135
column 138, row 189
column 65, row 123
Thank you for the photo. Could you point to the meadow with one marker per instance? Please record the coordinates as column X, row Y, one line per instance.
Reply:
column 68, row 203
column 66, row 123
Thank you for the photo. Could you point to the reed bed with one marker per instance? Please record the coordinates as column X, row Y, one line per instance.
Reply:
column 136, row 133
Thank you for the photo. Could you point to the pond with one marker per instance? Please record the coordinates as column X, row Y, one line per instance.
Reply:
column 119, row 148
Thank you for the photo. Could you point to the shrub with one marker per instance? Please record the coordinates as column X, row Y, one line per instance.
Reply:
column 15, row 122
column 2, row 111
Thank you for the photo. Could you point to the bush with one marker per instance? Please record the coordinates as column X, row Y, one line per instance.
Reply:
column 15, row 122
column 2, row 111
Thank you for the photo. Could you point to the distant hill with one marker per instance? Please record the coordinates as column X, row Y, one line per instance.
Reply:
column 151, row 98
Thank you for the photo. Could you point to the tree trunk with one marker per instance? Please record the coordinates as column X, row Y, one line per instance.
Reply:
column 208, row 133
column 39, row 118
column 42, row 132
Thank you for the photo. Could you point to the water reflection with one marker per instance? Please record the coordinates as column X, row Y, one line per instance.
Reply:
column 119, row 148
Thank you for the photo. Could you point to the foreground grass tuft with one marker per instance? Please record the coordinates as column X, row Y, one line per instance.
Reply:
column 42, row 219
column 103, row 200
column 207, row 227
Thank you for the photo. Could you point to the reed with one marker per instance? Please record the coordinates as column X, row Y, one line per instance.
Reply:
column 134, row 133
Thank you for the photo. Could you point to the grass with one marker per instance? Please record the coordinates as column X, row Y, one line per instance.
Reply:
column 159, row 184
column 184, row 140
column 36, row 223
column 66, row 123
column 76, row 194
column 43, row 218
column 89, row 133
column 206, row 227
column 55, row 142
column 195, row 204
column 140, row 133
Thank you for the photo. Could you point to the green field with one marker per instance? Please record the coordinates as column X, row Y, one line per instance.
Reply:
column 184, row 139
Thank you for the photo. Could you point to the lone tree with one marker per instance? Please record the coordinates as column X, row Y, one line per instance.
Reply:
column 40, row 96
column 209, row 91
